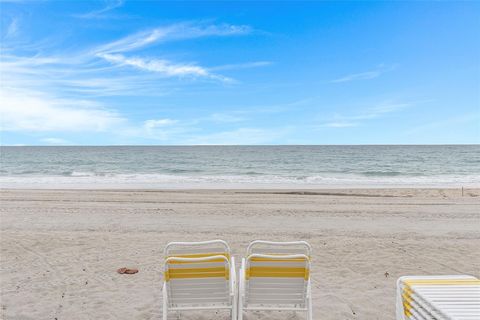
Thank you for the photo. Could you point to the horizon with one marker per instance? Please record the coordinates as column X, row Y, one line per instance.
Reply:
column 249, row 145
column 142, row 73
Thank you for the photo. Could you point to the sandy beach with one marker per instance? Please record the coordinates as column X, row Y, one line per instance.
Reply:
column 60, row 249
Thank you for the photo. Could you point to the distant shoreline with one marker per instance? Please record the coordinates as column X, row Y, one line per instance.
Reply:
column 246, row 190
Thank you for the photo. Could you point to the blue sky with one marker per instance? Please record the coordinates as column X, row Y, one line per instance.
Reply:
column 133, row 72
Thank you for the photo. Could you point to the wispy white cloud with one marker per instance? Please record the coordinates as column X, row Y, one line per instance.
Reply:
column 49, row 95
column 339, row 124
column 12, row 29
column 239, row 136
column 242, row 113
column 271, row 108
column 165, row 130
column 157, row 65
column 377, row 111
column 158, row 123
column 181, row 31
column 246, row 65
column 225, row 117
column 450, row 122
column 29, row 111
column 163, row 67
column 100, row 71
column 109, row 5
column 114, row 52
column 367, row 75
column 55, row 141
column 381, row 109
column 79, row 75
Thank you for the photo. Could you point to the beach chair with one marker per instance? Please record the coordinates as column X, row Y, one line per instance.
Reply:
column 199, row 276
column 276, row 276
column 438, row 298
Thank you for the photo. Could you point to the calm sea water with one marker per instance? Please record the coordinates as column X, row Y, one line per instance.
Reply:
column 240, row 166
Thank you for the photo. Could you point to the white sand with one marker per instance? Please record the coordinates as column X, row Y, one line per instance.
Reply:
column 60, row 249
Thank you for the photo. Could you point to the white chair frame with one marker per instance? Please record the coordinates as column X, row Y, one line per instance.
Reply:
column 306, row 245
column 423, row 309
column 245, row 265
column 230, row 261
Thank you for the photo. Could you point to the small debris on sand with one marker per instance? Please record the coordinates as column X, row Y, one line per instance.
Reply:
column 127, row 271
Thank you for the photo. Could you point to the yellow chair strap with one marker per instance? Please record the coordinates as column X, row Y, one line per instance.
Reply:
column 262, row 259
column 197, row 273
column 277, row 272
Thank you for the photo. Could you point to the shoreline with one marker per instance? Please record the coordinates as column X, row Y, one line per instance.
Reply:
column 286, row 190
column 343, row 191
column 228, row 186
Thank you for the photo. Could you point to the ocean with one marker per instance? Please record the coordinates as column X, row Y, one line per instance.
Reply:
column 176, row 167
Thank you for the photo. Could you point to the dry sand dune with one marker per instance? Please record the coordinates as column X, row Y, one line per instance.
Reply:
column 60, row 249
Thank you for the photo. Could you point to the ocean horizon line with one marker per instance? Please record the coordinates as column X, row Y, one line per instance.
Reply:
column 247, row 145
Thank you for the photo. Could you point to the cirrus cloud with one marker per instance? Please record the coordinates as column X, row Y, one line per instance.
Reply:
column 367, row 75
column 180, row 31
column 163, row 67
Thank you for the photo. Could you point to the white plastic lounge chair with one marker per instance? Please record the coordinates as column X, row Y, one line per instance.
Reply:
column 438, row 298
column 199, row 276
column 276, row 276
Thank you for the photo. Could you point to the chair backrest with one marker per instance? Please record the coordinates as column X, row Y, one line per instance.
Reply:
column 197, row 249
column 283, row 248
column 276, row 281
column 197, row 274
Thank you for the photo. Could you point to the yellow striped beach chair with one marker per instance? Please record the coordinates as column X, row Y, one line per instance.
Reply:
column 276, row 276
column 199, row 276
column 438, row 298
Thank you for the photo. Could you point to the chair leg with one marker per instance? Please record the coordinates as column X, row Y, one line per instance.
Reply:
column 241, row 289
column 310, row 307
column 165, row 302
column 233, row 312
column 240, row 294
column 240, row 308
column 235, row 290
column 235, row 305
